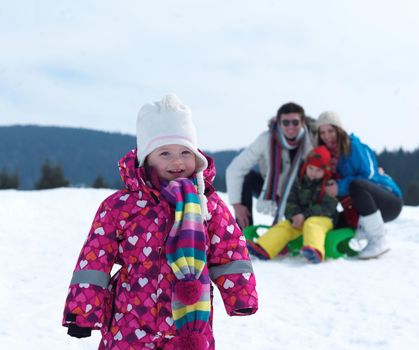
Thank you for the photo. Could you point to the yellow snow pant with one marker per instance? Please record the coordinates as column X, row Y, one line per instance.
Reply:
column 314, row 232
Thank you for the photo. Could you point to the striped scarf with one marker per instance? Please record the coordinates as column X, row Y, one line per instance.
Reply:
column 186, row 254
column 277, row 142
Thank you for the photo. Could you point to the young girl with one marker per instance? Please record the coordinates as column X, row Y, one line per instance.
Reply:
column 309, row 212
column 172, row 235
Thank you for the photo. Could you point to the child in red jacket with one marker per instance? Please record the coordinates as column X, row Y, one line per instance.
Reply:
column 172, row 235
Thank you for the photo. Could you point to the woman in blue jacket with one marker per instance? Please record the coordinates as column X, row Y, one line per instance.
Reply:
column 375, row 196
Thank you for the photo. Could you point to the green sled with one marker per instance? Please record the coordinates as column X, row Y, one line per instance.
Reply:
column 336, row 245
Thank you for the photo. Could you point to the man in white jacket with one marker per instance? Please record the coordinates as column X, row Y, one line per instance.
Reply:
column 278, row 151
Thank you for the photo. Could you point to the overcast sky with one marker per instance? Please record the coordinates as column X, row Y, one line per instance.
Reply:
column 94, row 63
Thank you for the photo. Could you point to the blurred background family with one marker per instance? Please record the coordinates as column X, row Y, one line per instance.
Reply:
column 312, row 177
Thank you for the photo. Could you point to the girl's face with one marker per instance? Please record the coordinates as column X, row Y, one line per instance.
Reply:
column 172, row 161
column 314, row 173
column 328, row 135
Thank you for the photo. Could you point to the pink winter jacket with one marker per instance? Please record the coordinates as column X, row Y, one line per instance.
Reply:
column 133, row 308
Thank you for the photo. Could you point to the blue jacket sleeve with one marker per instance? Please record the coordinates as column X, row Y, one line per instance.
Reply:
column 359, row 164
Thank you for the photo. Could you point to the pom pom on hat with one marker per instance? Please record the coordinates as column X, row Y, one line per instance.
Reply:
column 329, row 118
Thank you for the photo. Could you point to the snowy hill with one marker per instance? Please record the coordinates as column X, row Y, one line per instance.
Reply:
column 341, row 304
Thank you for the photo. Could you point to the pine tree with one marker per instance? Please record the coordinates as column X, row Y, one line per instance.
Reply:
column 8, row 180
column 14, row 180
column 4, row 178
column 412, row 194
column 51, row 177
column 100, row 182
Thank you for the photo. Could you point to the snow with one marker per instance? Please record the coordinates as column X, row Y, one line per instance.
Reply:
column 340, row 304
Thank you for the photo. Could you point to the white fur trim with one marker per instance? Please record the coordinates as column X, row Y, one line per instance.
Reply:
column 266, row 207
column 202, row 199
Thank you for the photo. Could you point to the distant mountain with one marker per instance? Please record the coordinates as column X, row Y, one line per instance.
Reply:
column 83, row 154
column 86, row 154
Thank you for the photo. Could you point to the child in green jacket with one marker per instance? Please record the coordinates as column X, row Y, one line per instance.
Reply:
column 309, row 212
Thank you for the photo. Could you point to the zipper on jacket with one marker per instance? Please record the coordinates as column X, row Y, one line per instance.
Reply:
column 155, row 197
column 112, row 311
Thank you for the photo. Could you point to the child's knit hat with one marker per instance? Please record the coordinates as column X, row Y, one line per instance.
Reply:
column 319, row 157
column 168, row 122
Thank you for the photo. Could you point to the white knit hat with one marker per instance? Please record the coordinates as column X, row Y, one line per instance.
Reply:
column 329, row 118
column 169, row 122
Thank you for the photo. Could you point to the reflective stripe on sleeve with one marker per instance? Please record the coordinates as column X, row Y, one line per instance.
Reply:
column 98, row 278
column 238, row 266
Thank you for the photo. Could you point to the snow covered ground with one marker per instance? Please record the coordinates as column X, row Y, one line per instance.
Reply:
column 340, row 304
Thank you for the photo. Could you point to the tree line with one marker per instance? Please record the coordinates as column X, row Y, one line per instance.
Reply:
column 52, row 176
column 402, row 166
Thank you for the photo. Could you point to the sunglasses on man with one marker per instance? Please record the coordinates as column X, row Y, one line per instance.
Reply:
column 287, row 122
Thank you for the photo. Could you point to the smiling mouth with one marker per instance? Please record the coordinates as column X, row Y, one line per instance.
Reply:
column 177, row 171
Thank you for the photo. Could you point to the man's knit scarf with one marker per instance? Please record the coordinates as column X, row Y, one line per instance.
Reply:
column 277, row 142
column 186, row 254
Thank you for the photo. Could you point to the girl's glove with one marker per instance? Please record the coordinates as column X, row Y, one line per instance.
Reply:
column 79, row 332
